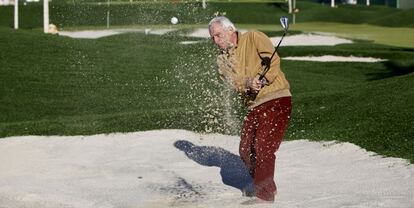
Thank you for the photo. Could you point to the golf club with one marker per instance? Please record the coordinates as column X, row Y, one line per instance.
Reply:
column 284, row 21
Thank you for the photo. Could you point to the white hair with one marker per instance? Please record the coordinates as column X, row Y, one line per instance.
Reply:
column 224, row 22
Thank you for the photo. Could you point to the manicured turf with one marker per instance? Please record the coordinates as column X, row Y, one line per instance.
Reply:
column 382, row 35
column 394, row 36
column 55, row 85
column 65, row 14
column 131, row 82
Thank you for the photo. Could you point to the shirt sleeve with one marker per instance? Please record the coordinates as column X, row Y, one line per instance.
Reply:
column 265, row 49
column 229, row 75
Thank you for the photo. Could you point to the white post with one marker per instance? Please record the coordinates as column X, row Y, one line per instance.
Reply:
column 45, row 16
column 204, row 4
column 332, row 3
column 294, row 12
column 290, row 6
column 367, row 2
column 107, row 14
column 16, row 14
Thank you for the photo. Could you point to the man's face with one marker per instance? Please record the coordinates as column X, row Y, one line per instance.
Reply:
column 220, row 36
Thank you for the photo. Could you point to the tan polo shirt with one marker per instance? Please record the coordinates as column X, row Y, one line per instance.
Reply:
column 243, row 62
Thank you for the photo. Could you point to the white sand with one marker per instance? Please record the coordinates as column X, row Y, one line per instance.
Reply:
column 95, row 34
column 310, row 40
column 151, row 169
column 294, row 40
column 89, row 34
column 330, row 58
column 189, row 42
column 290, row 40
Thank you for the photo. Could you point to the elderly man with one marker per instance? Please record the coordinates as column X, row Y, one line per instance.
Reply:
column 241, row 60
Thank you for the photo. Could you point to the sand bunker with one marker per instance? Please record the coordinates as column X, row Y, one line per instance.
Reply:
column 295, row 40
column 89, row 34
column 290, row 40
column 95, row 34
column 179, row 168
column 310, row 40
column 191, row 42
column 329, row 58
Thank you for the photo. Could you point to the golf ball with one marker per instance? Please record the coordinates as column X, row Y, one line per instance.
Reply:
column 174, row 20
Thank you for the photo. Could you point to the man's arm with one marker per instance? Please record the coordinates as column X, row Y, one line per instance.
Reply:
column 241, row 84
column 228, row 73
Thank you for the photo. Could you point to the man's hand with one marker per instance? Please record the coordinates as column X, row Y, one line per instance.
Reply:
column 254, row 84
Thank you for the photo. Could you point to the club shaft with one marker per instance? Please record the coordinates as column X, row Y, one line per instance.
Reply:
column 274, row 52
column 277, row 47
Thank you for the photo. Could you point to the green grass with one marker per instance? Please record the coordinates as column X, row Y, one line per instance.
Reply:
column 377, row 34
column 382, row 35
column 82, row 80
column 54, row 85
column 65, row 14
column 350, row 103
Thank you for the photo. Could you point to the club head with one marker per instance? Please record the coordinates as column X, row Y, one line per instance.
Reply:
column 284, row 21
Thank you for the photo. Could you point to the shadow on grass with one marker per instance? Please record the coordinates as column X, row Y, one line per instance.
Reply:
column 232, row 169
column 393, row 69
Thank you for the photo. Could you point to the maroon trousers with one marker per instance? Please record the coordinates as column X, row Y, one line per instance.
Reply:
column 262, row 133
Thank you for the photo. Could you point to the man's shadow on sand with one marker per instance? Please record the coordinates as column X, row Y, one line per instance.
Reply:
column 232, row 169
